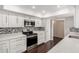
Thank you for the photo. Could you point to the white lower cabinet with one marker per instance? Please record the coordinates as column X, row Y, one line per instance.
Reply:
column 4, row 46
column 18, row 45
column 15, row 45
column 41, row 36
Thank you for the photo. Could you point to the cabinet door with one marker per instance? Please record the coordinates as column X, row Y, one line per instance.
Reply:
column 41, row 36
column 12, row 21
column 1, row 20
column 18, row 45
column 5, row 20
column 38, row 23
column 4, row 46
column 20, row 22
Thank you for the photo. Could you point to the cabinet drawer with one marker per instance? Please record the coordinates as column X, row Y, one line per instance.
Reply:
column 18, row 48
column 17, row 51
column 4, row 42
column 4, row 49
column 17, row 42
column 18, row 45
column 4, row 46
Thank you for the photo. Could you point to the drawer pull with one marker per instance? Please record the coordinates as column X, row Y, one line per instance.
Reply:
column 20, row 44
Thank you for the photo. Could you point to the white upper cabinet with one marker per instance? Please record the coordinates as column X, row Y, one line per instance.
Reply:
column 20, row 21
column 9, row 20
column 15, row 21
column 12, row 21
column 1, row 20
column 4, row 20
column 38, row 23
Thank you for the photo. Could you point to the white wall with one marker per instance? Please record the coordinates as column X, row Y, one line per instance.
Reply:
column 47, row 30
column 68, row 23
column 76, row 17
column 52, row 28
column 1, row 7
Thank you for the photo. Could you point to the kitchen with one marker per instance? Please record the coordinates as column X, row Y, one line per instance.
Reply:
column 23, row 29
column 19, row 31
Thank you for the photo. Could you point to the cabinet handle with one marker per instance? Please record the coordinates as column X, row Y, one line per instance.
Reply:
column 7, row 50
column 6, row 19
column 17, row 20
column 3, row 44
column 20, row 45
column 19, row 40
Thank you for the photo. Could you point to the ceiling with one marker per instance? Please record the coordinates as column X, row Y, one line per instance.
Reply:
column 42, row 10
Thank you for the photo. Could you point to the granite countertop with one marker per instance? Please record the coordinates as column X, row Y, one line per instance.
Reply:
column 10, row 36
column 67, row 45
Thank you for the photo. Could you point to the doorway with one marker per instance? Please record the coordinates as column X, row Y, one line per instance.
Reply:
column 58, row 31
column 59, row 28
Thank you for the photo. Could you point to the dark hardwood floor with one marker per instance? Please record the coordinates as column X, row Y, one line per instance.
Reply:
column 45, row 47
column 56, row 40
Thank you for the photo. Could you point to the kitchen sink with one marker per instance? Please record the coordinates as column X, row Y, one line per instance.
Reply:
column 74, row 36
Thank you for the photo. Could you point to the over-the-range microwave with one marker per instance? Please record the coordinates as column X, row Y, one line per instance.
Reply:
column 29, row 23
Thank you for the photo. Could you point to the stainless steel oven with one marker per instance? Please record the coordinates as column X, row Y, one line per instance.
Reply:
column 31, row 41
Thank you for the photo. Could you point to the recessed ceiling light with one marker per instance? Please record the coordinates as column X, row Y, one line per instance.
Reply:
column 58, row 6
column 33, row 7
column 43, row 11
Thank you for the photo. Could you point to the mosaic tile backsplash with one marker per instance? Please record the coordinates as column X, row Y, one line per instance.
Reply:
column 10, row 30
column 19, row 29
column 36, row 28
